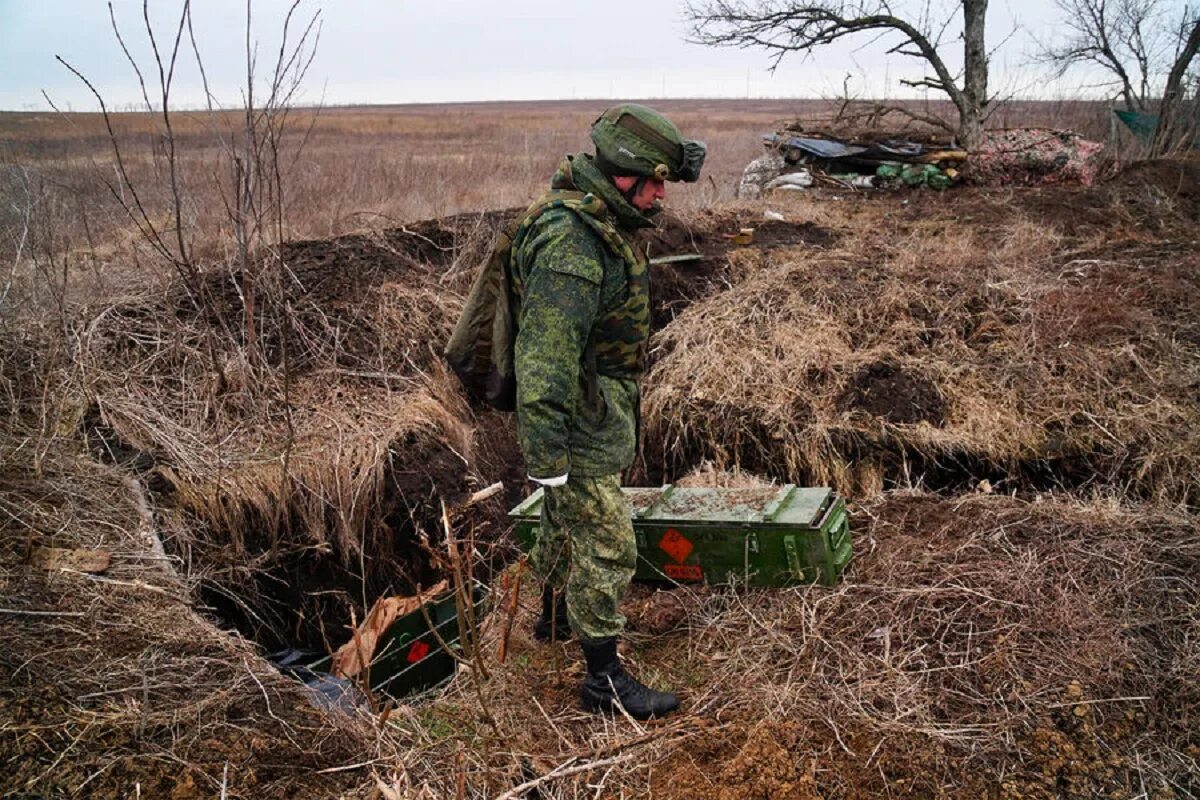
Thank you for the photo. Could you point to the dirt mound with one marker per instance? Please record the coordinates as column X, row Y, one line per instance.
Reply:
column 948, row 339
column 302, row 472
column 113, row 684
column 709, row 234
column 1173, row 176
column 1165, row 187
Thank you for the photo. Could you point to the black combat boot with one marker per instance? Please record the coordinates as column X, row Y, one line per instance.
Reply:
column 607, row 684
column 552, row 625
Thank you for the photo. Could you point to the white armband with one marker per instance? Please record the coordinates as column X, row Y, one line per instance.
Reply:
column 559, row 481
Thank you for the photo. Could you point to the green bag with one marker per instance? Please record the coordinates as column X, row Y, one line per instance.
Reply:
column 888, row 172
column 480, row 350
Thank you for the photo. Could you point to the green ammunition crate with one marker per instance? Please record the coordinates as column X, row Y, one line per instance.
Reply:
column 408, row 657
column 763, row 537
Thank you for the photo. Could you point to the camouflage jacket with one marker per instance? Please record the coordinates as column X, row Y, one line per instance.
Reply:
column 582, row 325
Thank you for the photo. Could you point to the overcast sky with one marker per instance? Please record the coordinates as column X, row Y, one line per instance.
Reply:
column 395, row 51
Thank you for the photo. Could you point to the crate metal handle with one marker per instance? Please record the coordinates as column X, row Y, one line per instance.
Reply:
column 666, row 492
column 830, row 506
column 839, row 532
column 793, row 556
column 782, row 497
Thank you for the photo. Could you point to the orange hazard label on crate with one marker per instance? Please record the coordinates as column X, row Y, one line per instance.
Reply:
column 676, row 545
column 684, row 572
column 418, row 651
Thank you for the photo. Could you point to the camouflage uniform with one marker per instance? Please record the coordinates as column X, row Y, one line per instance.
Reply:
column 582, row 328
column 586, row 546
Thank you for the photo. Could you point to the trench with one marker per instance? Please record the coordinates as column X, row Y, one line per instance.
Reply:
column 291, row 595
column 285, row 585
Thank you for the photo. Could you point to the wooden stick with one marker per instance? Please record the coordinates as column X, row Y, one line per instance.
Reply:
column 514, row 594
column 563, row 770
column 25, row 613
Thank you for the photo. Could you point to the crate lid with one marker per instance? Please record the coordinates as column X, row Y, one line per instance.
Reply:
column 788, row 505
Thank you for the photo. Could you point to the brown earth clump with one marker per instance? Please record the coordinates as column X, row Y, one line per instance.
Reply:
column 895, row 394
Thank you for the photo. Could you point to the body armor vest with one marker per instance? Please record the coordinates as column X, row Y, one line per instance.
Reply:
column 619, row 335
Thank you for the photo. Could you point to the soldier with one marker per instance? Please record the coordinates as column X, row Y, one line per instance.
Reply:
column 582, row 286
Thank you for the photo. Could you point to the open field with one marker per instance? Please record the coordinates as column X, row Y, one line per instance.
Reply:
column 356, row 169
column 1003, row 381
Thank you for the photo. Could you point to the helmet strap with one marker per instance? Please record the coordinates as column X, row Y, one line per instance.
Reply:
column 632, row 191
column 606, row 167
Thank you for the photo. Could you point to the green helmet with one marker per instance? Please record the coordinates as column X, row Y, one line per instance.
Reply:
column 632, row 139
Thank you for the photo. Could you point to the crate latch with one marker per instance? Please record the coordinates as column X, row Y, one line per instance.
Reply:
column 793, row 556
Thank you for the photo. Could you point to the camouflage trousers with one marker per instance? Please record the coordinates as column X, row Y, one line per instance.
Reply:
column 585, row 544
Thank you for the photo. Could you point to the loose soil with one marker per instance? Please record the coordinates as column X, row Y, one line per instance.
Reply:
column 888, row 390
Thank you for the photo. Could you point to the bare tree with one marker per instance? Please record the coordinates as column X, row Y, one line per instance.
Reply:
column 1130, row 40
column 782, row 27
column 1174, row 128
column 1145, row 47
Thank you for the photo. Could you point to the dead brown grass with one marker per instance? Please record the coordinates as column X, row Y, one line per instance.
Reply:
column 981, row 646
column 300, row 488
column 1036, row 340
column 354, row 169
column 114, row 685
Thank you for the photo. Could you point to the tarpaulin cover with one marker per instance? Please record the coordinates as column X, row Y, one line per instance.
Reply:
column 1142, row 125
column 825, row 148
column 829, row 149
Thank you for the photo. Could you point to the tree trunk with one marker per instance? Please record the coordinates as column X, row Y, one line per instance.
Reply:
column 1165, row 133
column 975, row 75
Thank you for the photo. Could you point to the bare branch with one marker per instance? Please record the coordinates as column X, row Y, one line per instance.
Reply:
column 1167, row 136
column 136, row 211
column 132, row 62
column 782, row 28
column 208, row 96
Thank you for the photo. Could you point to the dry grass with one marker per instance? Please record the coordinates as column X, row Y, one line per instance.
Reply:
column 299, row 492
column 115, row 686
column 981, row 645
column 355, row 169
column 1029, row 339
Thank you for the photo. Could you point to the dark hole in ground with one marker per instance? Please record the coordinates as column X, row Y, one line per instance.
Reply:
column 895, row 393
column 283, row 582
column 302, row 588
